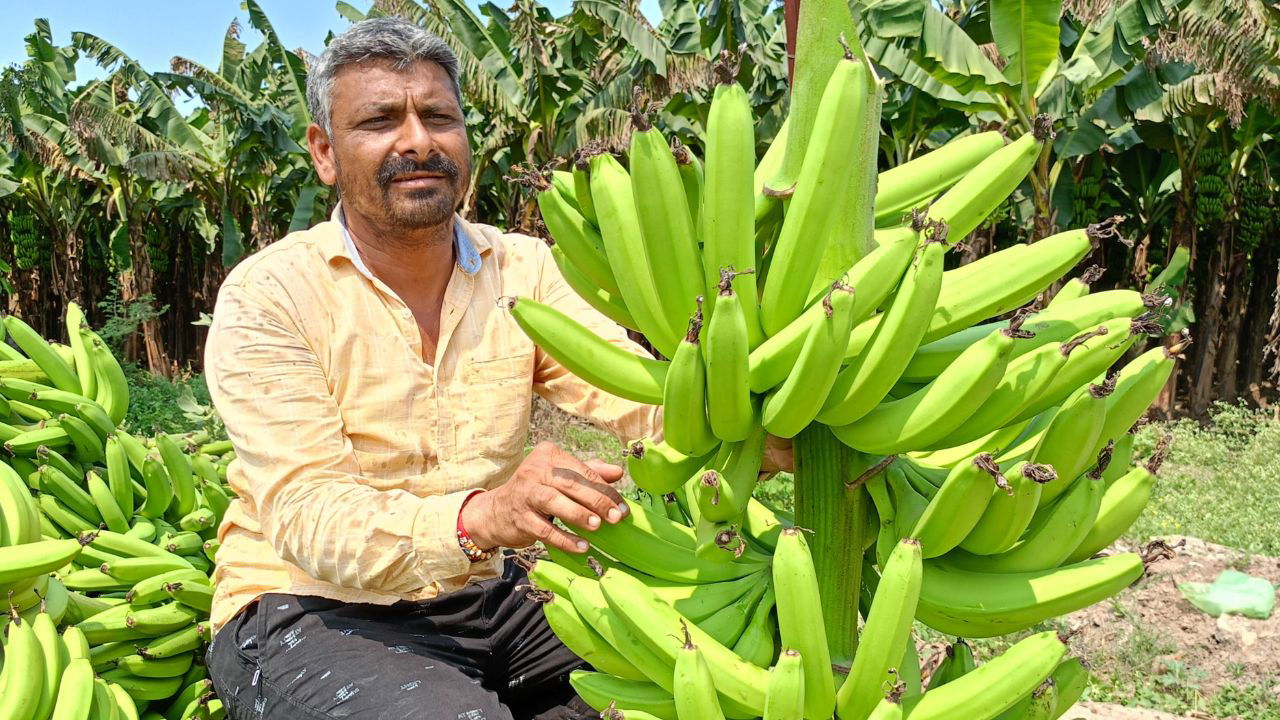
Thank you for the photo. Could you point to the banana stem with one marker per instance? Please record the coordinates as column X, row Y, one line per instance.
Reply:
column 836, row 514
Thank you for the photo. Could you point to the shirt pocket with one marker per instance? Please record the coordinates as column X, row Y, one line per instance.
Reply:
column 495, row 399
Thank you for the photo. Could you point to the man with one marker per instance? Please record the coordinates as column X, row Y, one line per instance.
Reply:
column 378, row 401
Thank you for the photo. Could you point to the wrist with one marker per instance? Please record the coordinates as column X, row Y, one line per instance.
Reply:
column 472, row 538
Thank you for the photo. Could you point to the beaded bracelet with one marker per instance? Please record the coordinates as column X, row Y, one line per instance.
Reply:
column 474, row 552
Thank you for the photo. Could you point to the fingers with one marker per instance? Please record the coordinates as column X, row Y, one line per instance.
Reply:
column 568, row 510
column 600, row 498
column 542, row 529
column 608, row 472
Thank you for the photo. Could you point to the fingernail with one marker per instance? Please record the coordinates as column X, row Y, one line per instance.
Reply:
column 582, row 546
column 625, row 508
column 593, row 521
column 614, row 515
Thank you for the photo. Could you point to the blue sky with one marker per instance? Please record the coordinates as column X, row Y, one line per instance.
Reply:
column 153, row 31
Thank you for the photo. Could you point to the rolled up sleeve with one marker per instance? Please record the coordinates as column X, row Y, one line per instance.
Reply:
column 316, row 510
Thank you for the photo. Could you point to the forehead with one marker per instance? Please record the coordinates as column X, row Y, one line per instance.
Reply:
column 380, row 81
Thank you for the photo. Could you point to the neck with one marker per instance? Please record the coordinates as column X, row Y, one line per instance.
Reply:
column 419, row 262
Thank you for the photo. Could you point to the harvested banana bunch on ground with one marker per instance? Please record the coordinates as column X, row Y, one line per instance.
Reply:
column 107, row 542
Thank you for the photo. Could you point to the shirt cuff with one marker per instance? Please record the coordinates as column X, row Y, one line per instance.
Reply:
column 435, row 538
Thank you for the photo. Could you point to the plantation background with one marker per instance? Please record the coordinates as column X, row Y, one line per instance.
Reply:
column 116, row 197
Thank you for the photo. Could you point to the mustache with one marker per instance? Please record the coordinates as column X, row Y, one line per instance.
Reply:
column 397, row 165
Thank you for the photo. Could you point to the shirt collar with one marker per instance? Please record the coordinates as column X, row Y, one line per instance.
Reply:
column 466, row 250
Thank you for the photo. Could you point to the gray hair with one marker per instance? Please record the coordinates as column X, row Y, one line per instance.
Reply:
column 385, row 38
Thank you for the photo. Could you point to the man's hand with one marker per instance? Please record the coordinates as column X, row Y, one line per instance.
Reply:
column 550, row 483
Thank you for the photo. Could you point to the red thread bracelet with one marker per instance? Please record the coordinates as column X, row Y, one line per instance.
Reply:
column 474, row 552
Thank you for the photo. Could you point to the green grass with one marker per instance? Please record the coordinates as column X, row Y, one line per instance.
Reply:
column 153, row 402
column 1219, row 483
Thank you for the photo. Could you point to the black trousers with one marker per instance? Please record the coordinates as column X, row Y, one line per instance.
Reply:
column 482, row 653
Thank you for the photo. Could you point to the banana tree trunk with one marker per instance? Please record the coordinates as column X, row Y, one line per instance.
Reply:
column 830, row 505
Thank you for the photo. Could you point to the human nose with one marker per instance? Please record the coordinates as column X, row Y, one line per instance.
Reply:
column 414, row 139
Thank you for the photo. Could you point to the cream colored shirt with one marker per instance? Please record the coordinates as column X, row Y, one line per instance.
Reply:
column 353, row 455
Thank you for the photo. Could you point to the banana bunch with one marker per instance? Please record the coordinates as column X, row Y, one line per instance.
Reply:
column 991, row 418
column 107, row 541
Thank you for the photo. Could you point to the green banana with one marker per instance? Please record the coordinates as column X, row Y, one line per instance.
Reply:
column 763, row 524
column 75, row 691
column 63, row 516
column 582, row 186
column 867, row 380
column 143, row 689
column 113, row 388
column 1054, row 532
column 22, row 677
column 55, row 482
column 741, row 685
column 105, row 503
column 794, row 404
column 957, row 662
column 996, row 685
column 912, row 184
column 145, row 667
column 29, row 441
column 19, row 562
column 634, row 541
column 755, row 644
column 1121, row 504
column 178, row 468
column 887, row 628
column 21, row 517
column 666, row 226
column 601, row 691
column 1067, row 444
column 1090, row 359
column 731, row 478
column 728, row 225
column 159, row 488
column 177, row 642
column 812, row 218
column 1136, row 386
column 576, row 237
column 800, row 620
column 585, row 642
column 684, row 418
column 962, row 301
column 1121, row 459
column 873, row 278
column 62, row 375
column 691, row 177
column 972, row 199
column 1009, row 511
column 957, row 506
column 86, row 445
column 785, row 697
column 610, row 367
column 659, row 469
column 1076, row 287
column 55, row 657
column 608, row 304
column 615, row 204
column 729, row 623
column 938, row 409
column 1070, row 678
column 589, row 601
column 1059, row 323
column 728, row 347
column 692, row 684
column 978, row 604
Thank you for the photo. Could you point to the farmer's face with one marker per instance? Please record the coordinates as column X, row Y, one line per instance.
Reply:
column 398, row 151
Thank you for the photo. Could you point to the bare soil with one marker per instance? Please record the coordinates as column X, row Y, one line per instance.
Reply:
column 1215, row 651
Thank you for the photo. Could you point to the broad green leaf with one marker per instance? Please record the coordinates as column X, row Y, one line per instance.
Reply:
column 1026, row 33
column 894, row 18
column 894, row 59
column 292, row 70
column 949, row 55
column 1140, row 87
column 1084, row 139
column 349, row 11
column 232, row 239
column 1080, row 69
column 638, row 35
column 304, row 211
